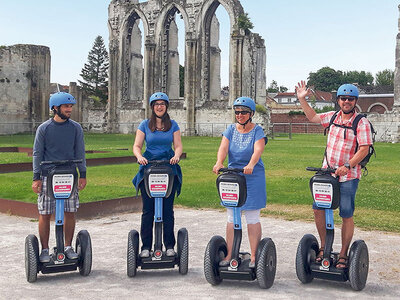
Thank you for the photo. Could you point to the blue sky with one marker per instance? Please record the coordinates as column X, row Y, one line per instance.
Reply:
column 300, row 36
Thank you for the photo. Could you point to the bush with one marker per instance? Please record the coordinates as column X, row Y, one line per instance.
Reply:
column 261, row 109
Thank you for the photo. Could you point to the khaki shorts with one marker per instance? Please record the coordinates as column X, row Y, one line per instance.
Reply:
column 47, row 206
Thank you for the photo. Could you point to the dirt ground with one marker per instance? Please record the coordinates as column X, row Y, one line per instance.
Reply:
column 108, row 279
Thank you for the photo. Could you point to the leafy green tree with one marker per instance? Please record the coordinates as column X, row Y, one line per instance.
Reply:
column 95, row 71
column 244, row 22
column 274, row 88
column 361, row 78
column 325, row 79
column 384, row 78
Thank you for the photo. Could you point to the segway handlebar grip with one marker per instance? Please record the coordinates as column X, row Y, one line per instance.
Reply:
column 325, row 170
column 61, row 162
column 231, row 170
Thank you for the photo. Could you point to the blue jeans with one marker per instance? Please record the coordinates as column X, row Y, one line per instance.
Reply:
column 146, row 230
column 348, row 191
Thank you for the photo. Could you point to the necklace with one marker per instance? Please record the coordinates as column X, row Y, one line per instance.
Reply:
column 160, row 129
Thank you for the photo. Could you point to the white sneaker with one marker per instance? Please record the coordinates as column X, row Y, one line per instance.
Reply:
column 170, row 252
column 145, row 253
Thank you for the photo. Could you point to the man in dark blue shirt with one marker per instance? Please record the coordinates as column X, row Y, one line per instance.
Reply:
column 59, row 138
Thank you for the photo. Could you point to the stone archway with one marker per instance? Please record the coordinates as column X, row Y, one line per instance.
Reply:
column 129, row 95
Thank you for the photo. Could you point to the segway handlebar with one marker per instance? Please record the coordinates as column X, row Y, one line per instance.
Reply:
column 61, row 162
column 323, row 170
column 231, row 170
column 159, row 162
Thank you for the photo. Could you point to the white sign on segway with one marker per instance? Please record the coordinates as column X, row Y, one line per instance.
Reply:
column 62, row 185
column 158, row 184
column 323, row 194
column 229, row 193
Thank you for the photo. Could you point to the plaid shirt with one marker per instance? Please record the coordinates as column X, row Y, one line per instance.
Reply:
column 339, row 149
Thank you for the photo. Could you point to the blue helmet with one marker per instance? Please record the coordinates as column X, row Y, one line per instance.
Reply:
column 159, row 96
column 245, row 101
column 61, row 98
column 347, row 90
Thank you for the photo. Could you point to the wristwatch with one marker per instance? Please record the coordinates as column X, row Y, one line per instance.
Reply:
column 347, row 165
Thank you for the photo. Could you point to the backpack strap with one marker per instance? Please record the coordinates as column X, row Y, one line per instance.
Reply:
column 331, row 122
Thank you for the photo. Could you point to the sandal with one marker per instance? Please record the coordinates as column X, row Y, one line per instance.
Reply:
column 342, row 261
column 320, row 255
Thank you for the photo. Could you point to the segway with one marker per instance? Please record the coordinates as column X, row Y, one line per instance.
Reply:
column 325, row 190
column 158, row 181
column 61, row 181
column 232, row 191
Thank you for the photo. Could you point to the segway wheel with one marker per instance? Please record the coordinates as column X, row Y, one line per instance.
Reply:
column 83, row 247
column 266, row 263
column 306, row 253
column 358, row 265
column 216, row 250
column 183, row 250
column 31, row 257
column 132, row 254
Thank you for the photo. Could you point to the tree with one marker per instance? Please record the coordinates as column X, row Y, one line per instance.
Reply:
column 244, row 22
column 361, row 78
column 325, row 79
column 95, row 71
column 274, row 88
column 384, row 78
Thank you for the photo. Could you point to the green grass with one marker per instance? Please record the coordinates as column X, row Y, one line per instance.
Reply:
column 287, row 181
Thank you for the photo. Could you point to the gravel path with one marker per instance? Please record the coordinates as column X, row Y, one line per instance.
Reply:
column 108, row 279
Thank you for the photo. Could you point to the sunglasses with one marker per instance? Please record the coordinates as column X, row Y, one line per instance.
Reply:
column 242, row 112
column 351, row 99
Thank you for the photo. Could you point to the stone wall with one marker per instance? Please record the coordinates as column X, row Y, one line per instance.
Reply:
column 24, row 87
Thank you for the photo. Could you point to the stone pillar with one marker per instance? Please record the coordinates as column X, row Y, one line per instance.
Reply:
column 215, row 61
column 149, row 69
column 113, row 86
column 235, row 66
column 190, row 85
column 77, row 109
column 135, row 92
column 173, row 62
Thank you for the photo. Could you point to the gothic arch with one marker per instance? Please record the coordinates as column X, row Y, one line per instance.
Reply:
column 377, row 104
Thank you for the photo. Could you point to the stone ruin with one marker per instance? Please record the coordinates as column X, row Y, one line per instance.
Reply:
column 387, row 124
column 24, row 87
column 133, row 78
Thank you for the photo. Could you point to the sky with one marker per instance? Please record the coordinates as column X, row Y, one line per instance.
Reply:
column 300, row 36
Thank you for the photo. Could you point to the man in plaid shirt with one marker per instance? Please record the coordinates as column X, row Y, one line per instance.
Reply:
column 341, row 154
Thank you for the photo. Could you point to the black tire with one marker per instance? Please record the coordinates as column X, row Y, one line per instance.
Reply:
column 183, row 250
column 216, row 250
column 83, row 246
column 306, row 253
column 266, row 263
column 358, row 265
column 31, row 257
column 132, row 253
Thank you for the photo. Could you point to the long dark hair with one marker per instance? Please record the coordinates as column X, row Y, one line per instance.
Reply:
column 165, row 119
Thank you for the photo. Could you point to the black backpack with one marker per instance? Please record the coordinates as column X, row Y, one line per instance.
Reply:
column 371, row 150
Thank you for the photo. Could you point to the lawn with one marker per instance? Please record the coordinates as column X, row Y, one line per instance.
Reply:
column 287, row 181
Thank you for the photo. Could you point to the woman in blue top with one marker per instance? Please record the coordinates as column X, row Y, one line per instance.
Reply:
column 244, row 143
column 159, row 132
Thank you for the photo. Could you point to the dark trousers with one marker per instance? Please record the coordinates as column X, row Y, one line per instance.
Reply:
column 146, row 230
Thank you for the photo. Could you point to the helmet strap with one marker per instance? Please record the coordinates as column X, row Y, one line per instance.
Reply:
column 349, row 112
column 244, row 124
